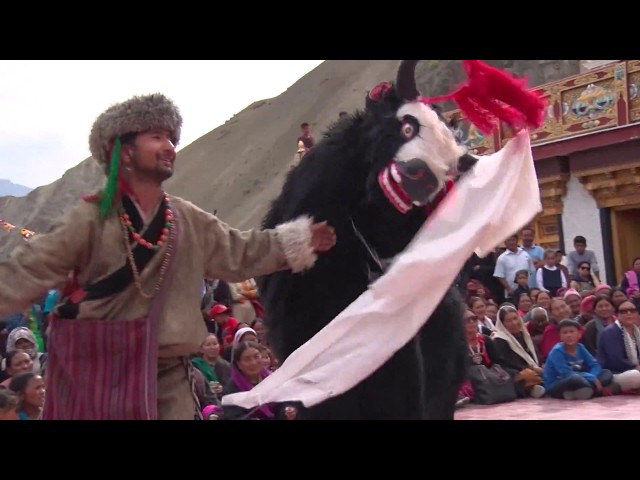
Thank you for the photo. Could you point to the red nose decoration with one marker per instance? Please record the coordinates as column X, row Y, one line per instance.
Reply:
column 492, row 95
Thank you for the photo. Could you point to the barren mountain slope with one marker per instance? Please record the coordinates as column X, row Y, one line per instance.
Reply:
column 239, row 167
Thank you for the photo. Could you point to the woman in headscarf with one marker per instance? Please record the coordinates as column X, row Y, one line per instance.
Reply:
column 247, row 372
column 22, row 338
column 244, row 334
column 517, row 353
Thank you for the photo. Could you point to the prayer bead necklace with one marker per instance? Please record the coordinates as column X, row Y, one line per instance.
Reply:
column 168, row 222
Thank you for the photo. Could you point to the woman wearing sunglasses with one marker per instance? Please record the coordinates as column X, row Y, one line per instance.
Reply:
column 619, row 350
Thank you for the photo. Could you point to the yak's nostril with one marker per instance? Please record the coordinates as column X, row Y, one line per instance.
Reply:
column 414, row 172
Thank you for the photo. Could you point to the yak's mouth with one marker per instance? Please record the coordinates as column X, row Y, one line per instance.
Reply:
column 410, row 183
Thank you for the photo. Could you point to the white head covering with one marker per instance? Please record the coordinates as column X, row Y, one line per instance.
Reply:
column 240, row 333
column 20, row 333
column 503, row 333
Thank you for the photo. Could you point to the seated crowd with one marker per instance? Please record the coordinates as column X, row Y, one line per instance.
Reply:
column 558, row 331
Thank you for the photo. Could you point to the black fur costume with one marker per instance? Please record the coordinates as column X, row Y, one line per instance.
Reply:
column 337, row 181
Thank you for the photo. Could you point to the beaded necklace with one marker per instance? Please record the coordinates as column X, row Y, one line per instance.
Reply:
column 168, row 232
column 168, row 222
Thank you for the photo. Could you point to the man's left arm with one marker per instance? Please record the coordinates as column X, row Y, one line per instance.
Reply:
column 236, row 255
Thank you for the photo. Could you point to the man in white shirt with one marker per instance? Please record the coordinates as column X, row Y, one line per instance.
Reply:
column 511, row 261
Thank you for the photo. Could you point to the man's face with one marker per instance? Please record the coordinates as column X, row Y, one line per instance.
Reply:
column 580, row 247
column 153, row 155
column 527, row 237
column 511, row 243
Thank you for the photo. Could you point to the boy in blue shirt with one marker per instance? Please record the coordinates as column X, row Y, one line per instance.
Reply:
column 570, row 371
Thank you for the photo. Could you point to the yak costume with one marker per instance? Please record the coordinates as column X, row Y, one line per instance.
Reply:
column 120, row 336
column 355, row 350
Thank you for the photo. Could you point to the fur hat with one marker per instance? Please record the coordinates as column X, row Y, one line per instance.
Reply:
column 138, row 114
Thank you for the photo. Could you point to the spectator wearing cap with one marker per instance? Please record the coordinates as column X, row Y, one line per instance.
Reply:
column 573, row 299
column 603, row 289
column 225, row 323
column 586, row 309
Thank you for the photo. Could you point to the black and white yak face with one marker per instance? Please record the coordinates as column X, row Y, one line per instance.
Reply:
column 426, row 154
column 429, row 156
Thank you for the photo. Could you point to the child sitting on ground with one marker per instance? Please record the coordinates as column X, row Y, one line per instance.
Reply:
column 570, row 371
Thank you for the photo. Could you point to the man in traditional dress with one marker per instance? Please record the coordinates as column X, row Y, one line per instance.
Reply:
column 121, row 335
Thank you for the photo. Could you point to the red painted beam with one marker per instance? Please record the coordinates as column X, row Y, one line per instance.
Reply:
column 586, row 142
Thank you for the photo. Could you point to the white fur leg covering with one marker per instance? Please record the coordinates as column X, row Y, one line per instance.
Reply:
column 295, row 239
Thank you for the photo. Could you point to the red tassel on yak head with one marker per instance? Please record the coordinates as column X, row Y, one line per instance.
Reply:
column 492, row 95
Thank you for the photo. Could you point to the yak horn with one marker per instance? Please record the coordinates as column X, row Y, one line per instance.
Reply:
column 406, row 80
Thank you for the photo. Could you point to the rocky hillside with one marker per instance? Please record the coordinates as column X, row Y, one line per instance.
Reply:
column 239, row 167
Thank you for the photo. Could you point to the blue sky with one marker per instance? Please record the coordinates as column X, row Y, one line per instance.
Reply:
column 48, row 106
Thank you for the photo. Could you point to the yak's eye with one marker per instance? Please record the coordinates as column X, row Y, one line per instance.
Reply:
column 409, row 128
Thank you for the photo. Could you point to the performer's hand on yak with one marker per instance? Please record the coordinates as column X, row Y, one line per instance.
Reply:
column 323, row 237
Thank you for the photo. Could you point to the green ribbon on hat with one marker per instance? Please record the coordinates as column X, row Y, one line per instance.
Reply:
column 110, row 189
